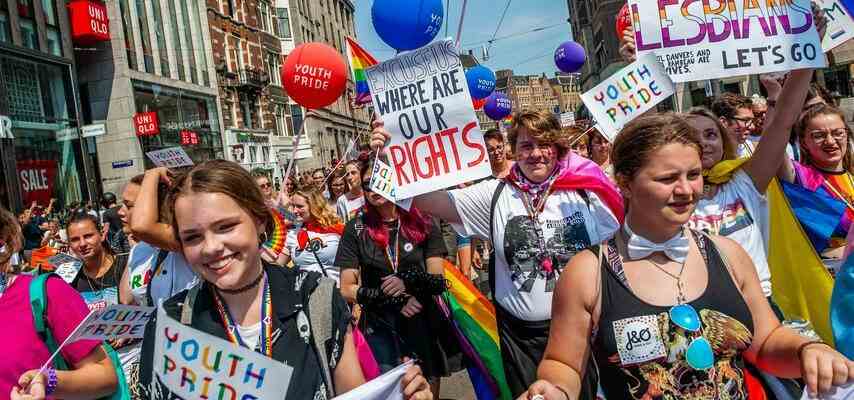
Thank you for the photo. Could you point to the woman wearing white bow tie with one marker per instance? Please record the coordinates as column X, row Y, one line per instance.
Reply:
column 673, row 313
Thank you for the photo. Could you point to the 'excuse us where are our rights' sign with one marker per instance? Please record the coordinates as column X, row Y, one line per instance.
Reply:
column 423, row 99
column 710, row 39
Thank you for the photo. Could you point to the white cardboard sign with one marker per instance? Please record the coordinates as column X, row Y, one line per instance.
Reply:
column 67, row 267
column 840, row 26
column 182, row 363
column 423, row 99
column 117, row 321
column 382, row 183
column 627, row 94
column 700, row 40
column 171, row 158
column 384, row 387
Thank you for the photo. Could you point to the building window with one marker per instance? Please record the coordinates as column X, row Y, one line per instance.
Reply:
column 202, row 54
column 247, row 107
column 281, row 123
column 265, row 154
column 264, row 21
column 130, row 49
column 54, row 43
column 147, row 57
column 253, row 154
column 5, row 34
column 273, row 69
column 188, row 40
column 27, row 24
column 283, row 22
column 176, row 40
column 159, row 34
column 296, row 119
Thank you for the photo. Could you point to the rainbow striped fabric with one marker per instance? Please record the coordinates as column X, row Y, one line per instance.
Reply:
column 276, row 240
column 360, row 59
column 473, row 318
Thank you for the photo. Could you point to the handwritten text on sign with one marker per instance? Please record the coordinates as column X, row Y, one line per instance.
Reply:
column 424, row 101
column 194, row 364
column 383, row 184
column 840, row 26
column 627, row 94
column 172, row 157
column 118, row 321
column 699, row 40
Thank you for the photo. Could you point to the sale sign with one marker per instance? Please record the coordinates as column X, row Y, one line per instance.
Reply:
column 196, row 365
column 710, row 39
column 146, row 124
column 37, row 179
column 630, row 92
column 89, row 22
column 423, row 98
column 840, row 25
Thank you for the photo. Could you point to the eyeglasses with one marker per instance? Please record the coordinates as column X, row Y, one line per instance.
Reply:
column 744, row 121
column 699, row 354
column 821, row 136
column 265, row 185
column 495, row 150
column 526, row 149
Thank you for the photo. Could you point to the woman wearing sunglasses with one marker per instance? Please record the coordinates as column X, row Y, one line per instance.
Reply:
column 220, row 220
column 673, row 313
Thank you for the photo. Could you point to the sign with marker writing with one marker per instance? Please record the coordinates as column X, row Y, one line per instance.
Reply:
column 118, row 321
column 630, row 92
column 699, row 40
column 384, row 387
column 195, row 365
column 383, row 184
column 172, row 157
column 423, row 99
column 67, row 267
column 840, row 25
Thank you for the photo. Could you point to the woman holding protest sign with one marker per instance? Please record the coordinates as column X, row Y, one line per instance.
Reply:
column 313, row 246
column 670, row 304
column 392, row 266
column 221, row 221
column 91, row 375
column 551, row 205
column 98, row 279
column 350, row 203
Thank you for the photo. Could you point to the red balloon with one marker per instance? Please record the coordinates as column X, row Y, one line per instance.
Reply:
column 624, row 21
column 314, row 75
column 478, row 103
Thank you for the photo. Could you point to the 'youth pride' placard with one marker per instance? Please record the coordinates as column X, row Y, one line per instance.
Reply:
column 699, row 40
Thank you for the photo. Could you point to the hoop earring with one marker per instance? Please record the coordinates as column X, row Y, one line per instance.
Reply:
column 263, row 237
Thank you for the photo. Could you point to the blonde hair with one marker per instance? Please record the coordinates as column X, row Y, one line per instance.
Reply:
column 10, row 233
column 318, row 208
column 730, row 147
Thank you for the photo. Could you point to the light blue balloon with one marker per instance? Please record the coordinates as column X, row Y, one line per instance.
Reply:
column 407, row 24
column 481, row 81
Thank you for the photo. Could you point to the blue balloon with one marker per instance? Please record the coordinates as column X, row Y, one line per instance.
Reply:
column 497, row 106
column 570, row 57
column 481, row 81
column 407, row 24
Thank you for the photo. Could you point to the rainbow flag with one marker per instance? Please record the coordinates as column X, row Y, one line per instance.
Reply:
column 276, row 240
column 359, row 60
column 473, row 317
column 802, row 285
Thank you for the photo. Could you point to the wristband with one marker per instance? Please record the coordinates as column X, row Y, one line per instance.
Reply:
column 804, row 345
column 52, row 381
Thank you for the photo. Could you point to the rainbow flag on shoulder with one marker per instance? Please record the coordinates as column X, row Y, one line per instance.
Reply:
column 472, row 316
column 360, row 59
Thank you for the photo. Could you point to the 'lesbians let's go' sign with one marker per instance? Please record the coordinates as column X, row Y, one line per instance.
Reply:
column 196, row 365
column 698, row 40
column 423, row 99
column 627, row 94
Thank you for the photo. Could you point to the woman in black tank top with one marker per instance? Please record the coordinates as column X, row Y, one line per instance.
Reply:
column 670, row 313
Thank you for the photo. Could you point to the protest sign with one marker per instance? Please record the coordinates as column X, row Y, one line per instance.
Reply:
column 384, row 387
column 627, row 94
column 101, row 299
column 171, row 158
column 67, row 267
column 699, row 40
column 383, row 184
column 423, row 99
column 194, row 364
column 844, row 392
column 840, row 26
column 117, row 321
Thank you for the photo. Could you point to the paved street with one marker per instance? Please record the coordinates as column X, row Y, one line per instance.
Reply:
column 457, row 387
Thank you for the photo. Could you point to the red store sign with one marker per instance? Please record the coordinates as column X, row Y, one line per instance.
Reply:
column 189, row 137
column 146, row 124
column 37, row 179
column 89, row 22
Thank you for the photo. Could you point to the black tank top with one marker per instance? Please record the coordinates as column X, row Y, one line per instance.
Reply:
column 650, row 360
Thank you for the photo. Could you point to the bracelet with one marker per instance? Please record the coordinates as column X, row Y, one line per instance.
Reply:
column 804, row 345
column 52, row 381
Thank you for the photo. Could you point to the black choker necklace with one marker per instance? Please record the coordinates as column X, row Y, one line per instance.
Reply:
column 244, row 288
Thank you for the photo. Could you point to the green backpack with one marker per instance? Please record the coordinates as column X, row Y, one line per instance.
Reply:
column 38, row 303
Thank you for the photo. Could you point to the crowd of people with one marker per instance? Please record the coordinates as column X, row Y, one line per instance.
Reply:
column 625, row 270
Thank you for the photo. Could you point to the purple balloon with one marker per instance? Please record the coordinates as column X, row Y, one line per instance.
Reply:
column 570, row 57
column 497, row 106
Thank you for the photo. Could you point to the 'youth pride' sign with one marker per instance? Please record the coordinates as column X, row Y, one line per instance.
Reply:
column 698, row 40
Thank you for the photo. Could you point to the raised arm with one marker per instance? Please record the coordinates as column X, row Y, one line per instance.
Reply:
column 145, row 223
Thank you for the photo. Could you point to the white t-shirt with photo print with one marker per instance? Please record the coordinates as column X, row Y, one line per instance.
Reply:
column 324, row 244
column 739, row 212
column 569, row 223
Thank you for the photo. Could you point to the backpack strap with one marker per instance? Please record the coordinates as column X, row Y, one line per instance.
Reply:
column 320, row 320
column 495, row 196
column 38, row 306
column 189, row 302
column 155, row 269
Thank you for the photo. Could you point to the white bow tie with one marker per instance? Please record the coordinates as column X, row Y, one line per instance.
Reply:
column 675, row 249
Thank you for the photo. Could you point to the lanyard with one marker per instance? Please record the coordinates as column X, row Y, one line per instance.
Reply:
column 534, row 211
column 393, row 255
column 266, row 321
column 4, row 283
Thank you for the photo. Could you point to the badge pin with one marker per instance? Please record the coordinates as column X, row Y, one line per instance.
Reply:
column 407, row 247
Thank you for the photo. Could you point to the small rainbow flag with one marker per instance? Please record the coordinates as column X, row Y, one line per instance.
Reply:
column 276, row 240
column 473, row 318
column 359, row 60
